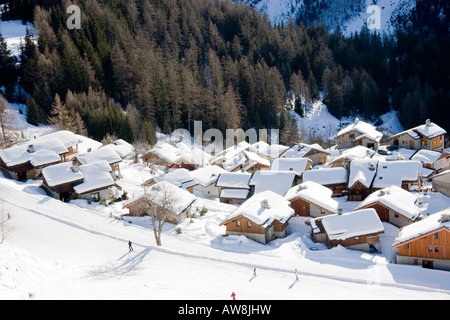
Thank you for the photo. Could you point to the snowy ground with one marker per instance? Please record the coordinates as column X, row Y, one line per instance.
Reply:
column 78, row 251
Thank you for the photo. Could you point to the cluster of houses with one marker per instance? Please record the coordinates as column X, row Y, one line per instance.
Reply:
column 269, row 184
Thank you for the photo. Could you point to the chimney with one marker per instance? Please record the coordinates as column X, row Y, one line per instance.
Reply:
column 428, row 122
column 372, row 166
column 75, row 167
column 382, row 193
column 356, row 120
column 31, row 148
column 265, row 204
column 445, row 217
column 340, row 211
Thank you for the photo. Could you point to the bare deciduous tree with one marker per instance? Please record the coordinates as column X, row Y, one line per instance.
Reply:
column 8, row 135
column 160, row 207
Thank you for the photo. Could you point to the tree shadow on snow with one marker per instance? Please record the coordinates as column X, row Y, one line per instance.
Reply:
column 127, row 263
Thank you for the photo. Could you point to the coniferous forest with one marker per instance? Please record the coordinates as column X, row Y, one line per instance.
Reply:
column 138, row 65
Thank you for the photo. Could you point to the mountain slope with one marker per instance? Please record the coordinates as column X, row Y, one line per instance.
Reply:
column 349, row 15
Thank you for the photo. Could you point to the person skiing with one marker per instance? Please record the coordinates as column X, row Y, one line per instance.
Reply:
column 254, row 272
column 130, row 247
column 296, row 275
column 233, row 295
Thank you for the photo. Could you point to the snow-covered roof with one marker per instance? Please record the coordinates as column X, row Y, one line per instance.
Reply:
column 241, row 194
column 207, row 175
column 397, row 199
column 395, row 172
column 124, row 149
column 105, row 153
column 234, row 180
column 166, row 151
column 297, row 165
column 96, row 175
column 365, row 129
column 417, row 229
column 38, row 152
column 177, row 177
column 409, row 132
column 68, row 138
column 301, row 149
column 277, row 181
column 358, row 152
column 255, row 209
column 426, row 156
column 327, row 176
column 430, row 130
column 314, row 193
column 362, row 170
column 351, row 224
column 62, row 173
column 273, row 151
column 163, row 192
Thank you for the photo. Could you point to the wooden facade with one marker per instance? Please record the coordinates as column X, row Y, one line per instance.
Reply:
column 387, row 214
column 358, row 192
column 304, row 208
column 243, row 226
column 431, row 250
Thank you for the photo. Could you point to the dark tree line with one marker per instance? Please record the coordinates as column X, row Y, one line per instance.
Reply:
column 139, row 65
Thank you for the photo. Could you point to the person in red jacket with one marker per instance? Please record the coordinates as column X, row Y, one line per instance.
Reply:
column 233, row 295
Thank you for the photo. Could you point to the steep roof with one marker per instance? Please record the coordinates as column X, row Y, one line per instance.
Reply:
column 255, row 210
column 362, row 170
column 397, row 199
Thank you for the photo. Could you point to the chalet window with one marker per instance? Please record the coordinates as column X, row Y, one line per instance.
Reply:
column 238, row 223
column 249, row 224
column 396, row 215
column 95, row 197
column 436, row 235
column 352, row 136
column 436, row 249
column 430, row 249
column 407, row 246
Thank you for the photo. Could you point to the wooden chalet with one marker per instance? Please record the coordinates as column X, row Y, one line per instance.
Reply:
column 426, row 242
column 394, row 205
column 334, row 179
column 278, row 182
column 296, row 165
column 346, row 156
column 180, row 202
column 263, row 217
column 359, row 133
column 361, row 175
column 427, row 136
column 358, row 230
column 234, row 187
column 204, row 180
column 27, row 161
column 310, row 199
column 67, row 181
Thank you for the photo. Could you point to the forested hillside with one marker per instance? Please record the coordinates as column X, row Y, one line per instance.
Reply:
column 138, row 65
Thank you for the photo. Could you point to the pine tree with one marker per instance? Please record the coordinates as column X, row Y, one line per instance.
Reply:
column 32, row 112
column 60, row 116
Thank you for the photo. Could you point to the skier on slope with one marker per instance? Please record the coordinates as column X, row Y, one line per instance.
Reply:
column 130, row 246
column 233, row 295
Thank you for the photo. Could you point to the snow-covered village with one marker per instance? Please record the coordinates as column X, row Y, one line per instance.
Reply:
column 356, row 209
